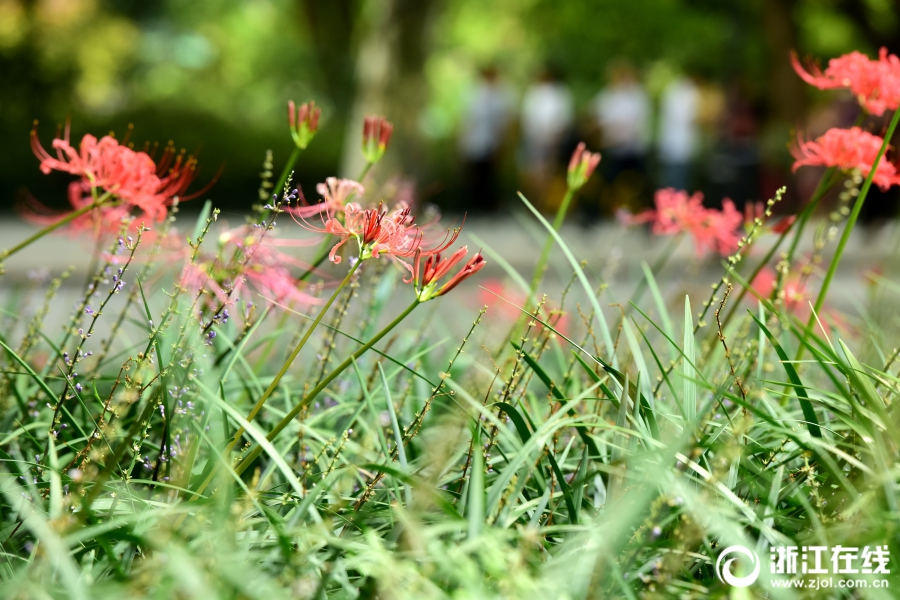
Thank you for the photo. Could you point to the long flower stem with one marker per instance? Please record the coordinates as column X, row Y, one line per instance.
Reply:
column 49, row 228
column 848, row 229
column 365, row 171
column 519, row 326
column 541, row 266
column 254, row 452
column 286, row 172
column 293, row 355
column 803, row 218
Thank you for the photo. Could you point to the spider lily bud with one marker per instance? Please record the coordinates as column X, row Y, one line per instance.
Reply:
column 376, row 135
column 304, row 122
column 581, row 166
column 428, row 272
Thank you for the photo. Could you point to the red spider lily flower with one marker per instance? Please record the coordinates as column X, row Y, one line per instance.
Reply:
column 875, row 83
column 104, row 219
column 375, row 230
column 718, row 230
column 847, row 149
column 581, row 166
column 304, row 122
column 336, row 194
column 677, row 212
column 376, row 135
column 137, row 187
column 246, row 256
column 427, row 273
column 393, row 233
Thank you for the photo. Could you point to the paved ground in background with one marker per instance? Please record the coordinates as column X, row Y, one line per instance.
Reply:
column 613, row 255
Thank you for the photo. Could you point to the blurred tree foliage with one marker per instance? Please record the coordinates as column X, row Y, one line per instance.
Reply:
column 215, row 74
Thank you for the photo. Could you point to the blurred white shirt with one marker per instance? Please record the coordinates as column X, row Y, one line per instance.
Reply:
column 623, row 113
column 487, row 116
column 547, row 114
column 678, row 122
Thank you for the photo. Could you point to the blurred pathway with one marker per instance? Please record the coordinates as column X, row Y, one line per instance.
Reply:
column 613, row 255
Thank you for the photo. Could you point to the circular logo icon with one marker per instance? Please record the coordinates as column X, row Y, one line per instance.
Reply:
column 725, row 566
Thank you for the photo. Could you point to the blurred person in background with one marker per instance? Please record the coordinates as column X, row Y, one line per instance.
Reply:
column 622, row 114
column 485, row 126
column 678, row 132
column 733, row 167
column 546, row 128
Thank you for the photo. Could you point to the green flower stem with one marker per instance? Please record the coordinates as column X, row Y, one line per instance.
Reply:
column 365, row 171
column 256, row 450
column 286, row 172
column 848, row 229
column 290, row 359
column 541, row 266
column 825, row 184
column 49, row 228
column 519, row 326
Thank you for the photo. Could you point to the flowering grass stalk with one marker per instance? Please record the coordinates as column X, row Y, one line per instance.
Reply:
column 794, row 227
column 71, row 362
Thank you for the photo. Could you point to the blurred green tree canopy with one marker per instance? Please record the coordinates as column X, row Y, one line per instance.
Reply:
column 215, row 75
